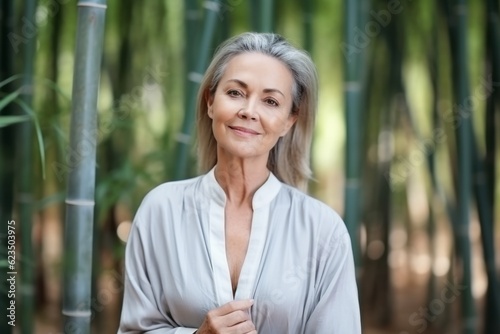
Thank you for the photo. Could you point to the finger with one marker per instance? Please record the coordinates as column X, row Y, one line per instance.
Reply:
column 235, row 318
column 243, row 327
column 239, row 321
column 235, row 305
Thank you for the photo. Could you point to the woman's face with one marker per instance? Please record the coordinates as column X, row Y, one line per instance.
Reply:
column 251, row 108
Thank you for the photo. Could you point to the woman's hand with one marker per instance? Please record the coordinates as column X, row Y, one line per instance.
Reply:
column 230, row 318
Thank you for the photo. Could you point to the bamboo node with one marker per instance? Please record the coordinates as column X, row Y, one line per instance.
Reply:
column 352, row 86
column 25, row 198
column 470, row 322
column 183, row 138
column 27, row 89
column 80, row 202
column 27, row 289
column 461, row 9
column 195, row 77
column 77, row 314
column 352, row 183
column 193, row 14
column 463, row 231
column 91, row 4
column 212, row 5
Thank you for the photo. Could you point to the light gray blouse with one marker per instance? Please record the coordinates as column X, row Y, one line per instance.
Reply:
column 299, row 267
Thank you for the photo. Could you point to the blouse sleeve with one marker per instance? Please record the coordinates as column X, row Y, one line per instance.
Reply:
column 337, row 310
column 140, row 313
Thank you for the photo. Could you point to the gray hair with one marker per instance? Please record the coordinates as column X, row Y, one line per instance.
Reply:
column 289, row 158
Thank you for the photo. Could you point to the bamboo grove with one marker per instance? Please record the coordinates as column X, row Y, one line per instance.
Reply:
column 406, row 146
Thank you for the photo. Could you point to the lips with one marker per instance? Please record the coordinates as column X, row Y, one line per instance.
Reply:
column 243, row 130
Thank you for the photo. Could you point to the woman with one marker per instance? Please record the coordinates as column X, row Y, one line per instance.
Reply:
column 241, row 249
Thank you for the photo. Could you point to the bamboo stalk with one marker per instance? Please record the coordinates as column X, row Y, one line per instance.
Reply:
column 484, row 171
column 464, row 140
column 266, row 15
column 307, row 24
column 396, row 101
column 25, row 181
column 493, row 101
column 212, row 9
column 353, row 116
column 493, row 69
column 485, row 210
column 493, row 14
column 192, row 16
column 192, row 33
column 254, row 14
column 432, row 291
column 81, row 177
column 369, row 284
column 6, row 154
column 224, row 29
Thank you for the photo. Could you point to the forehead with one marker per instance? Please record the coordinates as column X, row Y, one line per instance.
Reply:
column 259, row 69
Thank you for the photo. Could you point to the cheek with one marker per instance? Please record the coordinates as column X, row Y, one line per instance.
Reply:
column 279, row 124
column 222, row 108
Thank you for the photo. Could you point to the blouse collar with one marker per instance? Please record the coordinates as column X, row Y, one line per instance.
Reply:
column 263, row 196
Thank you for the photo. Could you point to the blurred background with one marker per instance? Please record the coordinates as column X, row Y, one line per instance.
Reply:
column 405, row 147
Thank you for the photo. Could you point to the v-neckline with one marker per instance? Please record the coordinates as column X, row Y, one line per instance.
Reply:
column 251, row 262
column 260, row 219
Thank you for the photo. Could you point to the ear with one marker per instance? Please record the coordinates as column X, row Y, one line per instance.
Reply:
column 210, row 100
column 288, row 124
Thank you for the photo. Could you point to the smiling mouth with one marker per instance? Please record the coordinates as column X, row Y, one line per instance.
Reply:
column 244, row 131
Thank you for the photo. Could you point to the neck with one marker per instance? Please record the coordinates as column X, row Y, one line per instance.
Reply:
column 240, row 179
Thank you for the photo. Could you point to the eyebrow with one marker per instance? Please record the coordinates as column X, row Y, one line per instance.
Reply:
column 265, row 90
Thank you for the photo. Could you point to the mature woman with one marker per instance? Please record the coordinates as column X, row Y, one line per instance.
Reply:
column 241, row 249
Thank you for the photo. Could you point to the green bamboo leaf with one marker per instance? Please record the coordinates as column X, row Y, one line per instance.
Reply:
column 38, row 130
column 10, row 79
column 9, row 98
column 8, row 120
column 47, row 82
column 53, row 85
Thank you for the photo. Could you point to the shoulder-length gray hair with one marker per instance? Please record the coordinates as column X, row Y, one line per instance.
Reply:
column 289, row 158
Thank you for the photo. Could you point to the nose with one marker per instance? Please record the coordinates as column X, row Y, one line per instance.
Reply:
column 248, row 111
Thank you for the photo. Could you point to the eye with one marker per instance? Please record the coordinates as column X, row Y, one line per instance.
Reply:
column 234, row 93
column 272, row 102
